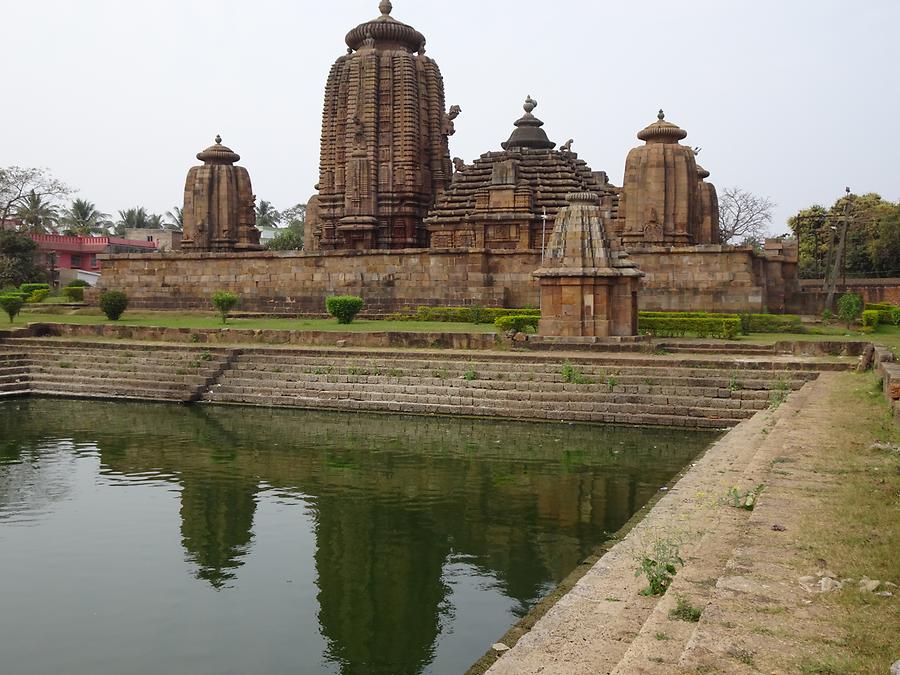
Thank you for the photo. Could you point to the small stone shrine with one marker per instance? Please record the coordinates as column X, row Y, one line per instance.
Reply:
column 509, row 199
column 384, row 155
column 219, row 213
column 587, row 287
column 664, row 200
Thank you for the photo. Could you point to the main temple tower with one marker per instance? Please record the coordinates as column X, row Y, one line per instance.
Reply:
column 384, row 156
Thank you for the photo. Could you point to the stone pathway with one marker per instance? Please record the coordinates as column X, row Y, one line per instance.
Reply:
column 741, row 567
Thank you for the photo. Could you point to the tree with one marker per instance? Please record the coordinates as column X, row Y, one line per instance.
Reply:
column 132, row 219
column 83, row 219
column 17, row 183
column 224, row 302
column 38, row 214
column 291, row 238
column 175, row 219
column 266, row 215
column 872, row 246
column 156, row 222
column 743, row 215
column 17, row 265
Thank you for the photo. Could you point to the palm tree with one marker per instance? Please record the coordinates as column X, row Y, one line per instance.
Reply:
column 266, row 215
column 176, row 218
column 132, row 219
column 155, row 222
column 37, row 214
column 83, row 219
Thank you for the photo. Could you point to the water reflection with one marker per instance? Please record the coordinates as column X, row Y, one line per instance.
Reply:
column 424, row 529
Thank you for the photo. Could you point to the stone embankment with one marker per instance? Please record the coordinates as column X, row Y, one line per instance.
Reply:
column 701, row 391
column 91, row 370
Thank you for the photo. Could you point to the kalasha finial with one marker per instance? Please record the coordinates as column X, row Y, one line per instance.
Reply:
column 218, row 139
column 530, row 104
column 660, row 115
column 385, row 6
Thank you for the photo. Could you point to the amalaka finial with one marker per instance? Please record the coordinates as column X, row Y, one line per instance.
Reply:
column 385, row 7
column 218, row 139
column 660, row 115
column 530, row 104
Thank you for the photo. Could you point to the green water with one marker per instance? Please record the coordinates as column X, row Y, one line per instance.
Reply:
column 141, row 538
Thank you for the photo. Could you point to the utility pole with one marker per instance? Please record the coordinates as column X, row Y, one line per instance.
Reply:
column 832, row 273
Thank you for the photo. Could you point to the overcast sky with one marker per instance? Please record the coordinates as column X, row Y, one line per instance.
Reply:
column 790, row 99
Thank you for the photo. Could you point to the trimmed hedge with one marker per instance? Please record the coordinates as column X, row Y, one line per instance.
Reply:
column 686, row 315
column 343, row 307
column 38, row 295
column 77, row 283
column 74, row 293
column 520, row 323
column 31, row 288
column 870, row 318
column 470, row 314
column 727, row 328
column 880, row 306
column 773, row 323
column 749, row 323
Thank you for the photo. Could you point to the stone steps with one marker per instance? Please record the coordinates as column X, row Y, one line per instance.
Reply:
column 475, row 388
column 14, row 375
column 523, row 412
column 526, row 380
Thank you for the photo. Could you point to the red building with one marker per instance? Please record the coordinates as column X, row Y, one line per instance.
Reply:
column 59, row 251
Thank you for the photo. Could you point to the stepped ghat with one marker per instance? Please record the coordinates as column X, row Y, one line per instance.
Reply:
column 396, row 222
column 693, row 391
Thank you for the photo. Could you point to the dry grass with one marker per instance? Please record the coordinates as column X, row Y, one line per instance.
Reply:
column 857, row 529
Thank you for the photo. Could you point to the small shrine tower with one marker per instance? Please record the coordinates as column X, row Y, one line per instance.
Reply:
column 219, row 212
column 587, row 287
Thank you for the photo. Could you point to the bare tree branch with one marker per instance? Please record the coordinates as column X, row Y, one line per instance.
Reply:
column 17, row 182
column 743, row 215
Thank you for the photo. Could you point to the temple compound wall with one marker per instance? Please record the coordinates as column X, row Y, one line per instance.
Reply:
column 712, row 278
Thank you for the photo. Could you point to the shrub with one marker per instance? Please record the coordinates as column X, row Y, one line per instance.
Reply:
column 517, row 323
column 880, row 306
column 895, row 316
column 849, row 307
column 224, row 302
column 870, row 318
column 827, row 316
column 31, row 288
column 38, row 295
column 680, row 326
column 74, row 293
column 886, row 317
column 11, row 304
column 77, row 283
column 343, row 307
column 113, row 304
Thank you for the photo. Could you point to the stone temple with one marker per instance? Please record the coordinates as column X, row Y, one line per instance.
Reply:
column 384, row 157
column 395, row 221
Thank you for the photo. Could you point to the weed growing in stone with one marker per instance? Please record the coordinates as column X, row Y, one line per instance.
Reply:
column 685, row 611
column 571, row 375
column 611, row 382
column 733, row 383
column 779, row 394
column 659, row 563
column 395, row 372
column 470, row 374
column 441, row 374
column 662, row 636
column 745, row 500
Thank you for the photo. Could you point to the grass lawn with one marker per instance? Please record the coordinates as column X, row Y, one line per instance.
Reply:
column 889, row 336
column 211, row 320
